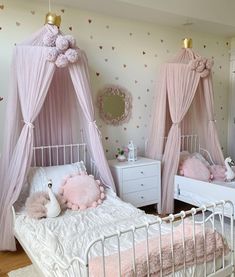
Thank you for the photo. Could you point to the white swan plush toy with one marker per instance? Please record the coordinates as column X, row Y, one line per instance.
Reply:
column 53, row 206
column 43, row 204
column 229, row 173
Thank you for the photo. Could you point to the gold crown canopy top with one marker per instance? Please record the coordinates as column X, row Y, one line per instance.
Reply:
column 187, row 43
column 53, row 19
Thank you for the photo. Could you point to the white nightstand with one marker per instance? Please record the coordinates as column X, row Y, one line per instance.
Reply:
column 139, row 182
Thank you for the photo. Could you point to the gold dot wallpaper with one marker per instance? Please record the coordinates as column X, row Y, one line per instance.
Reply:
column 120, row 52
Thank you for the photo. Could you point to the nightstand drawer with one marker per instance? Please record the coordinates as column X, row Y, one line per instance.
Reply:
column 140, row 172
column 139, row 184
column 139, row 197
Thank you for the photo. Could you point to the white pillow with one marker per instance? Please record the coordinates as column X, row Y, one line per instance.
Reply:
column 38, row 177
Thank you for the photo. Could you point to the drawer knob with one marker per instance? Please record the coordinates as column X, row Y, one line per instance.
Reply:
column 142, row 197
column 141, row 172
column 142, row 185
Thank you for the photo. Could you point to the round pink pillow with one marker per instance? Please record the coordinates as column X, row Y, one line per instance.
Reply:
column 81, row 191
column 196, row 169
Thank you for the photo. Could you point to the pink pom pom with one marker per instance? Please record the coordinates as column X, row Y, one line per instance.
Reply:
column 69, row 205
column 205, row 73
column 101, row 189
column 52, row 55
column 102, row 195
column 200, row 68
column 49, row 40
column 71, row 40
column 61, row 61
column 72, row 55
column 83, row 207
column 94, row 204
column 74, row 207
column 99, row 201
column 62, row 43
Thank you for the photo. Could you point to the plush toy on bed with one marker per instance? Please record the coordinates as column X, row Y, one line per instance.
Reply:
column 81, row 191
column 43, row 204
column 193, row 167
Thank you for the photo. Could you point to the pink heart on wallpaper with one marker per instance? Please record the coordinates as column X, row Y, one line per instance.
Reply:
column 1, row 7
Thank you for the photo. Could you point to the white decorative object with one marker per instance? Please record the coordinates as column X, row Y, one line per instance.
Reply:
column 229, row 173
column 138, row 183
column 132, row 152
column 53, row 207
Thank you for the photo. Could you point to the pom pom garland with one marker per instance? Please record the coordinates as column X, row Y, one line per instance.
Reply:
column 52, row 55
column 64, row 50
column 202, row 66
column 72, row 55
column 71, row 40
column 49, row 40
column 61, row 61
column 62, row 43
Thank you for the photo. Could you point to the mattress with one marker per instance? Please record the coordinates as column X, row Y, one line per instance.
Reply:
column 59, row 240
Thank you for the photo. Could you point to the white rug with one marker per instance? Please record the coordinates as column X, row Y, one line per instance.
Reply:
column 27, row 271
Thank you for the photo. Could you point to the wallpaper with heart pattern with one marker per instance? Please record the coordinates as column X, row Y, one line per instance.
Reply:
column 120, row 52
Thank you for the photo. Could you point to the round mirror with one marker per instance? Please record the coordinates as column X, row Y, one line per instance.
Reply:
column 114, row 105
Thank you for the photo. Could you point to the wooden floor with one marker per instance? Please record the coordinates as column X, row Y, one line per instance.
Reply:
column 13, row 260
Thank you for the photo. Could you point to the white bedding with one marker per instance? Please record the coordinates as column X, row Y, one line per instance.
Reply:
column 60, row 239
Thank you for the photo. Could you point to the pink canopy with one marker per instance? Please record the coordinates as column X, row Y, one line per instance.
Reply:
column 183, row 106
column 47, row 100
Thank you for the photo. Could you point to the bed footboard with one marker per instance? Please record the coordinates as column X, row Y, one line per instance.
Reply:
column 200, row 242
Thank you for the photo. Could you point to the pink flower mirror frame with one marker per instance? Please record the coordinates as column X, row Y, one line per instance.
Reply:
column 115, row 105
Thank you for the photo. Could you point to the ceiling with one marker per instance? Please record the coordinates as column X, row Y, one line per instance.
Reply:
column 213, row 16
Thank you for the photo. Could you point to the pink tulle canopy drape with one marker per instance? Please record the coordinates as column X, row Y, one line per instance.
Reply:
column 47, row 105
column 183, row 106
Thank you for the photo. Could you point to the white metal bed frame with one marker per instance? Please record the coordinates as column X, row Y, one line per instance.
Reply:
column 78, row 265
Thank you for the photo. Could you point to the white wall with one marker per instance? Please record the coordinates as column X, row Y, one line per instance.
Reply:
column 123, row 52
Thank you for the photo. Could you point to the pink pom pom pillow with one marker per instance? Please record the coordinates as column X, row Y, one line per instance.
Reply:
column 196, row 169
column 81, row 191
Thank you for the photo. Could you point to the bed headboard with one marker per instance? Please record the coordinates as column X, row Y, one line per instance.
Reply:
column 59, row 154
column 64, row 154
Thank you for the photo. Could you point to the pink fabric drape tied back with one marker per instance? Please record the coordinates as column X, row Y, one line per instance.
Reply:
column 95, row 124
column 28, row 124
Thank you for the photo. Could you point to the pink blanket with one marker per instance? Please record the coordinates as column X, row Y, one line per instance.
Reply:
column 214, row 244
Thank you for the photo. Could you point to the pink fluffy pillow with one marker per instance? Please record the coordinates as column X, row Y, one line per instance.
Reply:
column 81, row 191
column 196, row 169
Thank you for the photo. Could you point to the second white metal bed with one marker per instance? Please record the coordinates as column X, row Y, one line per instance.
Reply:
column 119, row 226
column 196, row 192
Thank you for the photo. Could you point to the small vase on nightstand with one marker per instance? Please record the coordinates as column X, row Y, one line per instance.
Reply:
column 121, row 158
